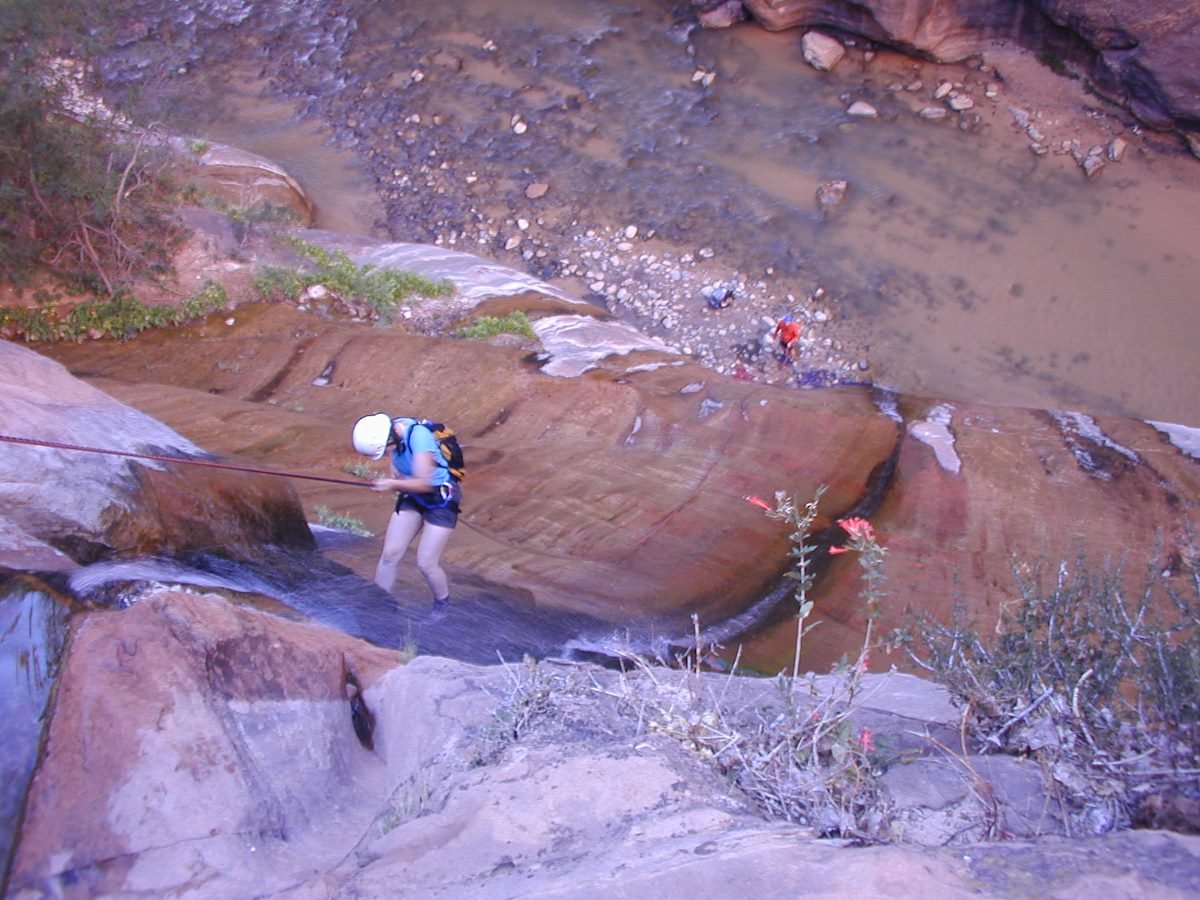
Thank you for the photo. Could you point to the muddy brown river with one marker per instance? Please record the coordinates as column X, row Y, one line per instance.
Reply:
column 960, row 265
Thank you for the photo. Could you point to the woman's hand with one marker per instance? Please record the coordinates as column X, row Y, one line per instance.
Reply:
column 419, row 482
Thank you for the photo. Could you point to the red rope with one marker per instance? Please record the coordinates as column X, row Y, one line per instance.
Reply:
column 187, row 462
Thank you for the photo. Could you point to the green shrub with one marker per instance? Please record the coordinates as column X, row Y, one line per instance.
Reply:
column 383, row 289
column 361, row 469
column 122, row 316
column 486, row 327
column 1100, row 684
column 330, row 519
column 80, row 200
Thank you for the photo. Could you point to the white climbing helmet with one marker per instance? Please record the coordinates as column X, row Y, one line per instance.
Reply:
column 371, row 434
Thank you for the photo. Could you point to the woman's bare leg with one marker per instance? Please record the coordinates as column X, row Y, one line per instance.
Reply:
column 402, row 527
column 429, row 555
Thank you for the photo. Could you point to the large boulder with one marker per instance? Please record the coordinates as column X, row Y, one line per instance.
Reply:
column 1147, row 55
column 244, row 181
column 63, row 507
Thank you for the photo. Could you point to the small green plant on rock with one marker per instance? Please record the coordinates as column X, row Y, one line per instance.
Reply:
column 383, row 289
column 121, row 316
column 409, row 801
column 486, row 327
column 341, row 522
column 529, row 695
column 808, row 761
column 1055, row 63
column 361, row 469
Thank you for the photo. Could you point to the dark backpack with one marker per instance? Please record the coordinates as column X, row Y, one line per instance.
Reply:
column 451, row 456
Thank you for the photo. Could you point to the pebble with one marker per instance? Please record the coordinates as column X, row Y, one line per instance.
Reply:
column 863, row 110
column 536, row 190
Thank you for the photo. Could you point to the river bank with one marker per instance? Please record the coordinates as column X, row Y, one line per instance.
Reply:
column 630, row 157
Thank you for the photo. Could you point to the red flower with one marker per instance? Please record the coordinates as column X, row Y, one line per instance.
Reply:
column 866, row 742
column 760, row 502
column 834, row 551
column 857, row 528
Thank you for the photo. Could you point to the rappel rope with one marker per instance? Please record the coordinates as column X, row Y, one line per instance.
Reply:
column 183, row 461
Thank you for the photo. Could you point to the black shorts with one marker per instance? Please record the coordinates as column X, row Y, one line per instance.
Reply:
column 433, row 509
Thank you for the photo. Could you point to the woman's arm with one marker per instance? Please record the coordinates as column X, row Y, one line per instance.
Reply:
column 420, row 482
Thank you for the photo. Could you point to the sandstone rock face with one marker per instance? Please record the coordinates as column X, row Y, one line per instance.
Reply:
column 618, row 494
column 69, row 507
column 976, row 490
column 1148, row 54
column 227, row 751
column 1144, row 54
column 228, row 763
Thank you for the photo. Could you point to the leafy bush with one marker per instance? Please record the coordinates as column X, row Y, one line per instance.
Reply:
column 486, row 327
column 122, row 316
column 1099, row 684
column 383, row 289
column 80, row 201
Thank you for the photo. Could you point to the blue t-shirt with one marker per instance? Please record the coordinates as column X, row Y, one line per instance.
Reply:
column 421, row 440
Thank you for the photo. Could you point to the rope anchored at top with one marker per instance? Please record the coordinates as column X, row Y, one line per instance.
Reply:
column 33, row 442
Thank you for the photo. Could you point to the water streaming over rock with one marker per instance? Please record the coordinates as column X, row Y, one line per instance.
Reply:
column 32, row 633
column 484, row 624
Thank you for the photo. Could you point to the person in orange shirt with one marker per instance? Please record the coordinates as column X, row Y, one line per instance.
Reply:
column 787, row 330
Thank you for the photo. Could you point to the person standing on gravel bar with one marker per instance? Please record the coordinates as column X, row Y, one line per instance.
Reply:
column 788, row 332
column 428, row 500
